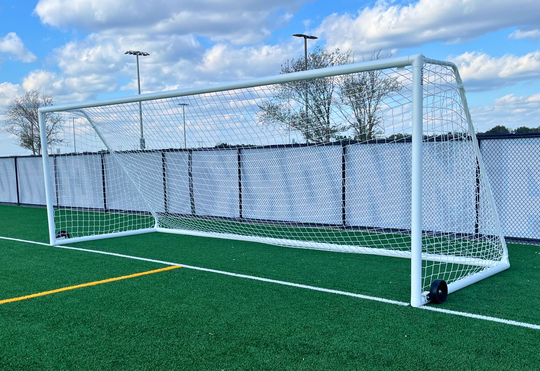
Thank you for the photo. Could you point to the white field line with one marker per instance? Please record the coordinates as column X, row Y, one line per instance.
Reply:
column 26, row 241
column 478, row 316
column 243, row 276
column 314, row 288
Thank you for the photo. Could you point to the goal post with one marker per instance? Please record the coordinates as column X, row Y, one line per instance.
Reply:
column 378, row 157
column 416, row 182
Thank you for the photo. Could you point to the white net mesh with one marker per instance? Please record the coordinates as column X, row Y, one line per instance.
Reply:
column 322, row 164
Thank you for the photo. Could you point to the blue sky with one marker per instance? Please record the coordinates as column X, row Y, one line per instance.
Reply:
column 74, row 49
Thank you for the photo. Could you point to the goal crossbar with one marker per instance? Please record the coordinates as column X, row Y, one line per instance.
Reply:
column 398, row 62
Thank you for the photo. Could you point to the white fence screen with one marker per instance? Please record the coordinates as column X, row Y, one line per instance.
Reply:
column 378, row 178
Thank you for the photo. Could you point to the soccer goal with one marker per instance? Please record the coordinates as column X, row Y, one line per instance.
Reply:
column 378, row 157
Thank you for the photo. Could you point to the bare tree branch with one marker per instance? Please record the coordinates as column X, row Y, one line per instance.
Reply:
column 308, row 106
column 363, row 94
column 23, row 121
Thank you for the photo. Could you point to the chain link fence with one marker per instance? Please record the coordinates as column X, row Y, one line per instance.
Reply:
column 513, row 166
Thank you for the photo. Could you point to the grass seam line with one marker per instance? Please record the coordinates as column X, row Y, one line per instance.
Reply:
column 388, row 301
column 94, row 283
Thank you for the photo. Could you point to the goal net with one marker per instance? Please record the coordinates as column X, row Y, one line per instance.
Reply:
column 377, row 157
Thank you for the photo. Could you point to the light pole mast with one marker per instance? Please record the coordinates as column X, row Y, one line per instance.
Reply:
column 184, row 105
column 306, row 37
column 136, row 53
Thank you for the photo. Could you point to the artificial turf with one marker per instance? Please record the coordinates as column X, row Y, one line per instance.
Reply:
column 193, row 320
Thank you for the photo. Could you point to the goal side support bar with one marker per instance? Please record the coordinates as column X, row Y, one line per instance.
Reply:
column 53, row 240
column 469, row 280
column 483, row 172
column 119, row 163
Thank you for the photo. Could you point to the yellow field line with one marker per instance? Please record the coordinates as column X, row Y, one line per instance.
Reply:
column 87, row 284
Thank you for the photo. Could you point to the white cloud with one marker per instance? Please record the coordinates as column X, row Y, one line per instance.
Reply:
column 92, row 66
column 240, row 22
column 532, row 35
column 69, row 89
column 387, row 26
column 13, row 45
column 483, row 72
column 222, row 62
column 8, row 92
column 104, row 53
column 175, row 61
column 510, row 111
column 168, row 30
column 171, row 61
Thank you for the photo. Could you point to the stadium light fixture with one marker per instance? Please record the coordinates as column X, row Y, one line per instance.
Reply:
column 138, row 53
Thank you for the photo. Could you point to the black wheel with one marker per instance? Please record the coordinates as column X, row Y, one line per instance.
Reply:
column 62, row 234
column 438, row 292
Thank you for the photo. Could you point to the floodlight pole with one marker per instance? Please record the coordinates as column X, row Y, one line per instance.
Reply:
column 306, row 37
column 184, row 114
column 136, row 53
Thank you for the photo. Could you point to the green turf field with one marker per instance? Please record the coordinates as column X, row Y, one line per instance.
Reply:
column 198, row 320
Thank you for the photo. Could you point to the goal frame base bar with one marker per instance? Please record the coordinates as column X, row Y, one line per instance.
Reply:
column 334, row 247
column 64, row 241
column 311, row 245
column 466, row 281
column 469, row 280
column 493, row 267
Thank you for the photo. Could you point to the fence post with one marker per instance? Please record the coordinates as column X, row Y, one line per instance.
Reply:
column 343, row 180
column 190, row 176
column 17, row 181
column 240, row 183
column 103, row 183
column 164, row 170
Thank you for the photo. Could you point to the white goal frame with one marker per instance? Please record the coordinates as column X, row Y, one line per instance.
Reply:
column 418, row 298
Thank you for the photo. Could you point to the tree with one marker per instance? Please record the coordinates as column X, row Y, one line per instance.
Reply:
column 363, row 93
column 498, row 130
column 23, row 122
column 526, row 130
column 306, row 106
